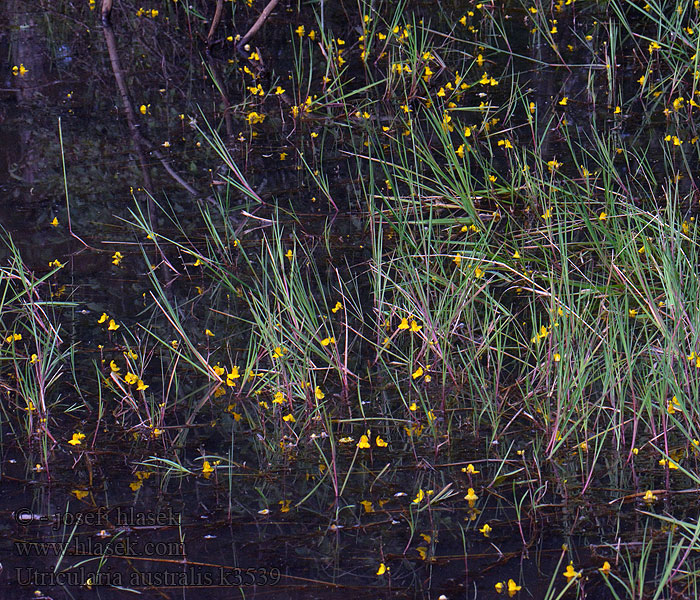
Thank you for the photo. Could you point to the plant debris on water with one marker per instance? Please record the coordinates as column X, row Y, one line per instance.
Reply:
column 392, row 298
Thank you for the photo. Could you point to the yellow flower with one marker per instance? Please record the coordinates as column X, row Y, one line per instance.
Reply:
column 470, row 469
column 21, row 71
column 364, row 442
column 500, row 587
column 380, row 442
column 419, row 497
column 649, row 496
column 570, row 573
column 318, row 393
column 367, row 506
column 80, row 494
column 103, row 318
column 299, row 31
column 113, row 366
column 143, row 109
column 513, row 588
column 15, row 337
column 337, row 307
column 416, row 430
column 207, row 469
column 112, row 325
column 415, row 327
column 289, row 254
column 471, row 496
column 254, row 118
column 54, row 223
column 141, row 386
column 602, row 216
column 208, row 333
column 404, row 323
column 130, row 378
column 382, row 569
column 564, row 101
column 117, row 258
column 289, row 418
column 76, row 439
column 486, row 530
column 327, row 341
column 417, row 373
column 605, row 569
column 543, row 333
column 279, row 352
column 457, row 259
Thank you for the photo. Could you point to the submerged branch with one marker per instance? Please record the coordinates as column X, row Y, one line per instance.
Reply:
column 259, row 23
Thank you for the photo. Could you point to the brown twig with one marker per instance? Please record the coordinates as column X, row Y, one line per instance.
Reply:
column 141, row 143
column 258, row 24
column 106, row 11
column 216, row 20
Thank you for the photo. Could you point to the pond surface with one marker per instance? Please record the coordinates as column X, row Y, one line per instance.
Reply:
column 267, row 327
